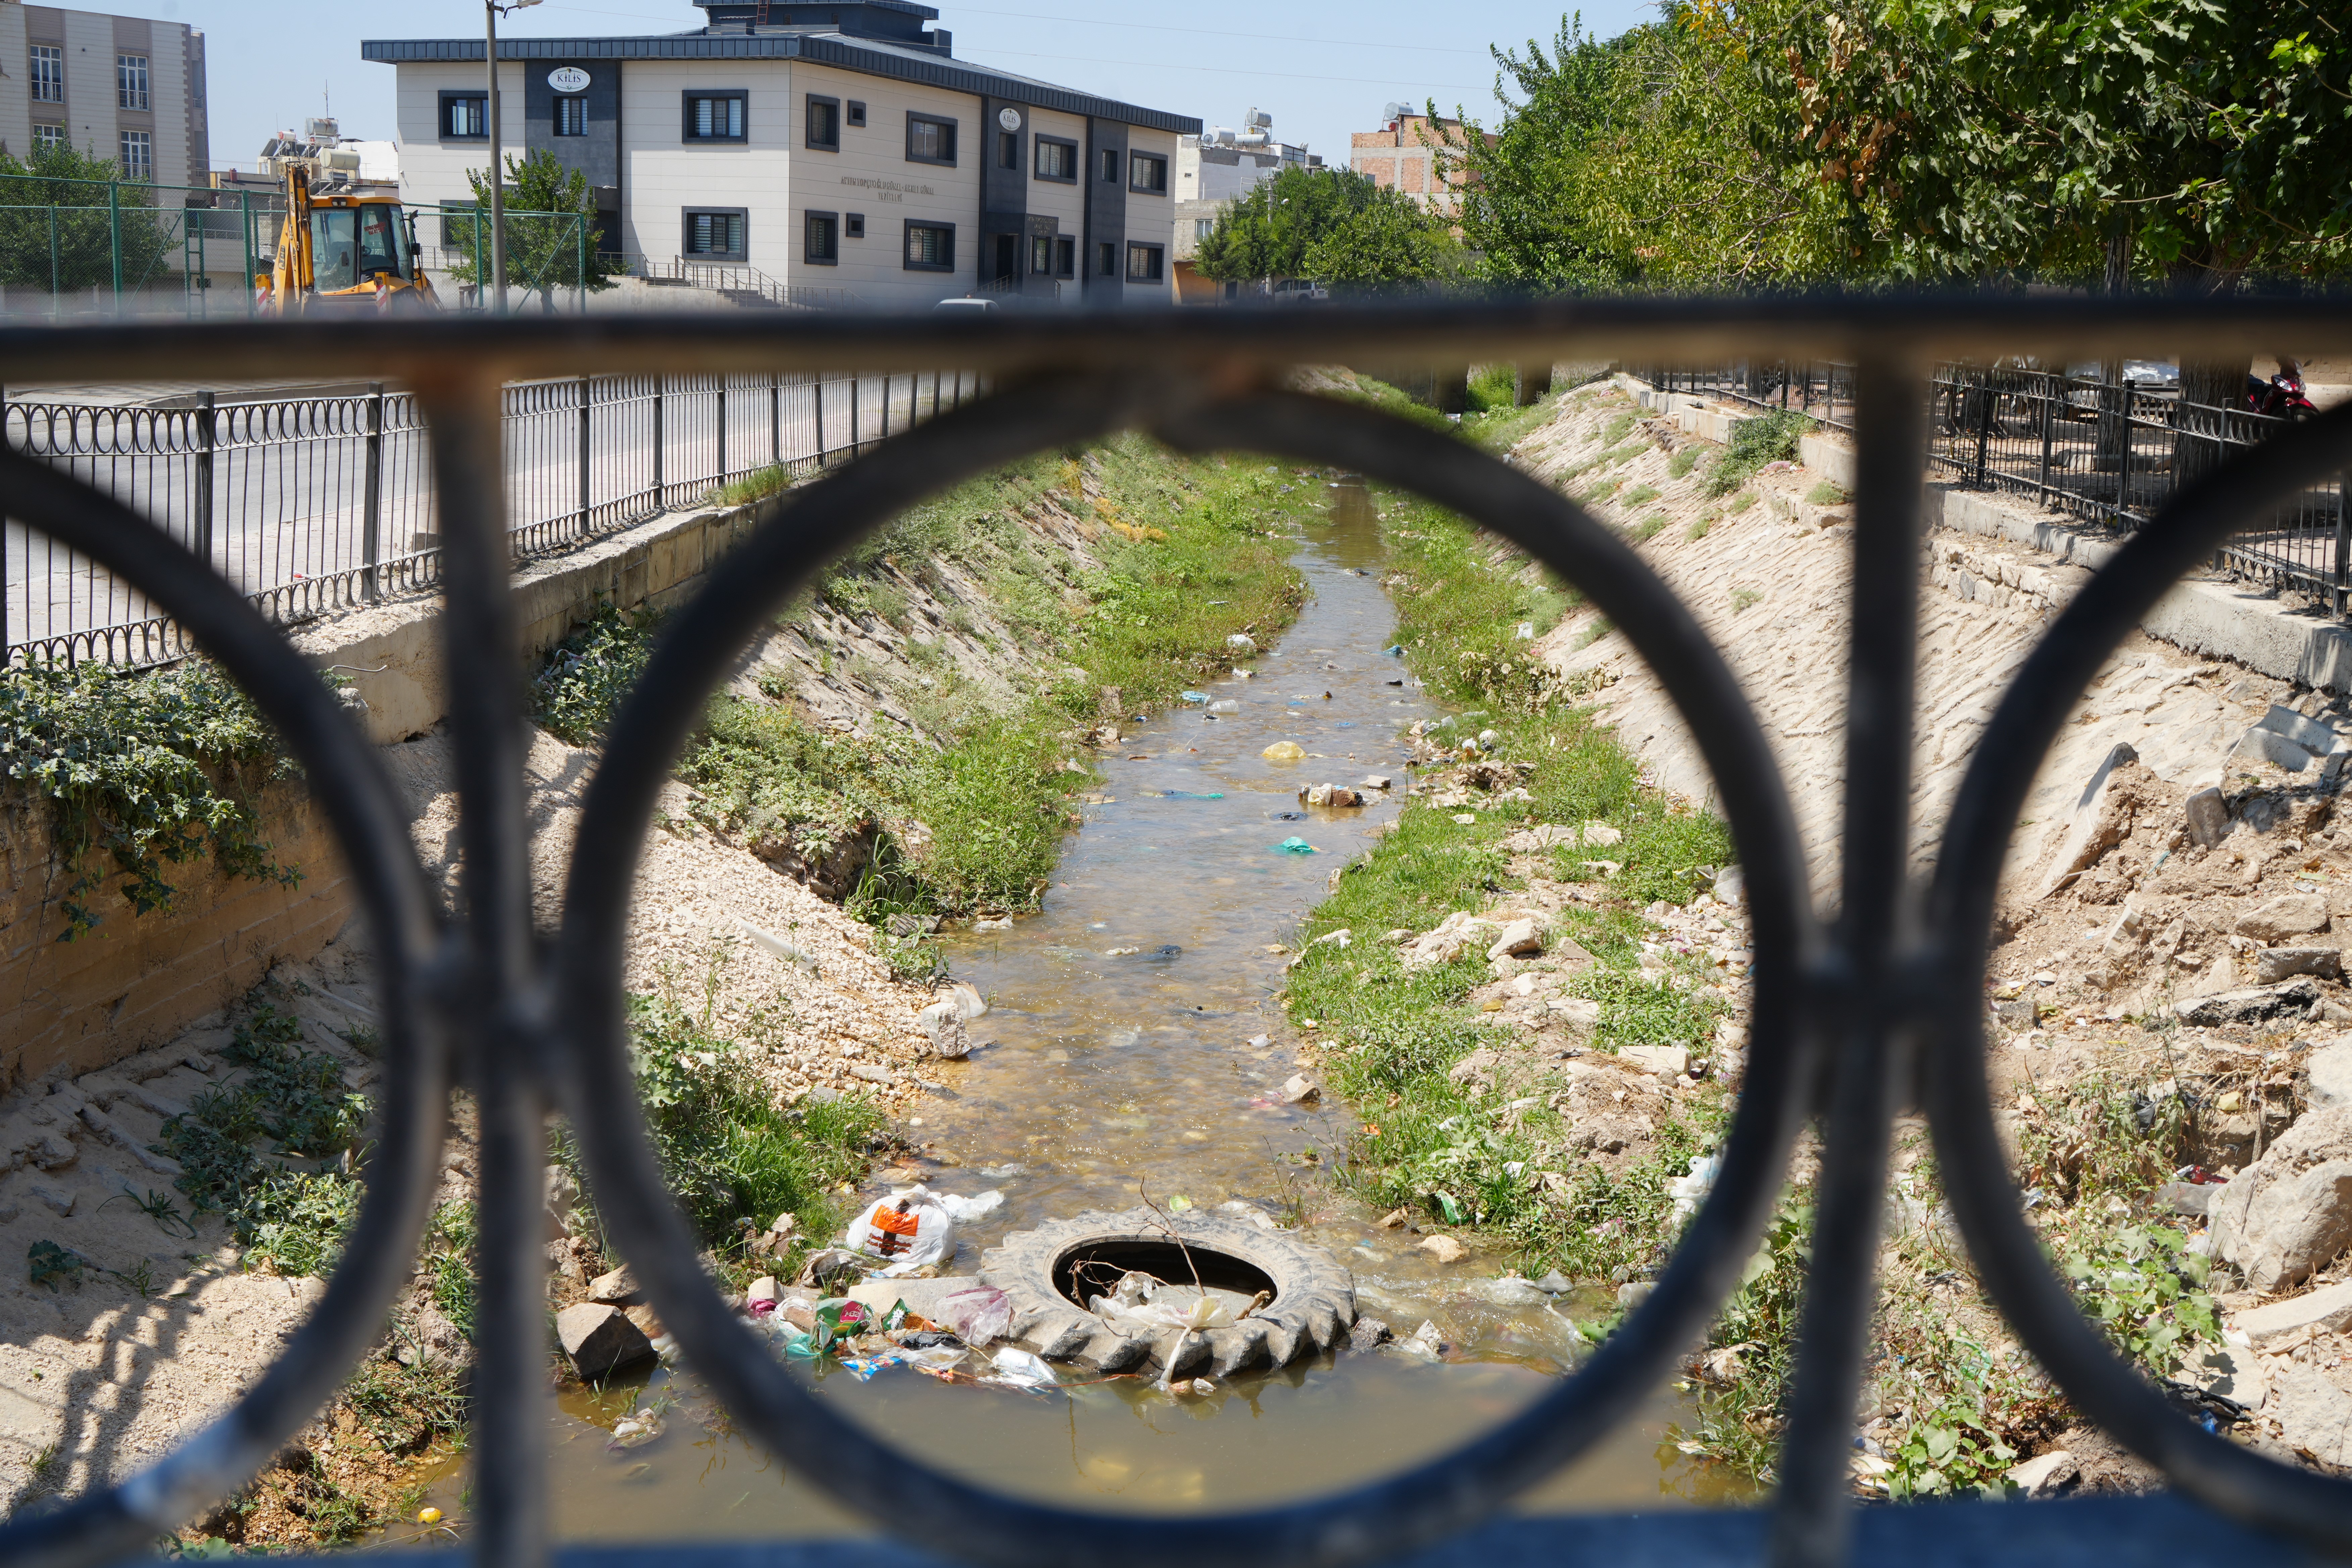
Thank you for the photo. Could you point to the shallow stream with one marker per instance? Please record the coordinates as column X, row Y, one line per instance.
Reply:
column 1103, row 1076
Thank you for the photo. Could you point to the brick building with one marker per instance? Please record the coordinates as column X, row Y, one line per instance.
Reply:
column 1402, row 155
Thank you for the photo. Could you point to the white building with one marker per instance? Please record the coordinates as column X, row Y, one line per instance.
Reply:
column 838, row 146
column 1213, row 169
column 119, row 88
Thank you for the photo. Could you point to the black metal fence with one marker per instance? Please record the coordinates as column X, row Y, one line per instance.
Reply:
column 312, row 504
column 2102, row 449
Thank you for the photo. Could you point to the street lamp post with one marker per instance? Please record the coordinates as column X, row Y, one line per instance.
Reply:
column 491, row 12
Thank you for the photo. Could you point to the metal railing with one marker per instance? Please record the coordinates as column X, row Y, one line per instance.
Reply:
column 312, row 504
column 734, row 278
column 2103, row 450
column 1860, row 1009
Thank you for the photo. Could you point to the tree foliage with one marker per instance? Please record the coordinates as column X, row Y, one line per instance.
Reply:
column 57, row 231
column 548, row 206
column 1332, row 225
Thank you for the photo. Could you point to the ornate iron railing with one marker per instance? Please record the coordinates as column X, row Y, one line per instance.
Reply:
column 1860, row 1010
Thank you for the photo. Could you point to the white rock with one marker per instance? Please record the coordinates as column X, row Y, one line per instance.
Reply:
column 1666, row 1061
column 2042, row 1475
column 1518, row 938
column 58, row 1201
column 2289, row 1214
column 2329, row 1307
column 1298, row 1090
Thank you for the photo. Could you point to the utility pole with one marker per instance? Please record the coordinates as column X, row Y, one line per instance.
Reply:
column 491, row 12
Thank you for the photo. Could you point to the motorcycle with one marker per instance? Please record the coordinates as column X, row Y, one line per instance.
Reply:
column 2281, row 397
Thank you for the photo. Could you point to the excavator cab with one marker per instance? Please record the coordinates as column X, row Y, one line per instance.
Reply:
column 343, row 251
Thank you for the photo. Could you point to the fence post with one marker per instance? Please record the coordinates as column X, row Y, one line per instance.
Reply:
column 581, row 279
column 2123, row 455
column 371, row 528
column 479, row 260
column 201, row 524
column 853, row 415
column 658, row 438
column 776, row 418
column 53, row 281
column 886, row 380
column 2343, row 540
column 2050, row 402
column 935, row 395
column 816, row 390
column 1984, row 427
column 114, row 229
column 252, row 253
column 586, row 397
column 722, row 426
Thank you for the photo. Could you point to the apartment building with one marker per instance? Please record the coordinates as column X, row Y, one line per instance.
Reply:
column 1213, row 169
column 1403, row 153
column 120, row 87
column 839, row 147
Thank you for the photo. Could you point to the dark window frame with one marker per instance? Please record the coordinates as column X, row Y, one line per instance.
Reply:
column 809, row 222
column 853, row 226
column 1041, row 256
column 906, row 248
column 923, row 117
column 127, row 66
column 1008, row 150
column 1106, row 259
column 458, row 95
column 1065, row 255
column 687, row 99
column 1156, row 161
column 742, row 252
column 556, row 121
column 1036, row 169
column 1110, row 157
column 853, row 112
column 809, row 103
column 1158, row 254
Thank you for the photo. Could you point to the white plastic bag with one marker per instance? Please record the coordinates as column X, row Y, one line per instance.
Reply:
column 963, row 1211
column 906, row 1231
column 978, row 1315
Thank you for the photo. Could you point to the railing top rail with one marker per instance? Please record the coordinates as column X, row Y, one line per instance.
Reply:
column 1918, row 329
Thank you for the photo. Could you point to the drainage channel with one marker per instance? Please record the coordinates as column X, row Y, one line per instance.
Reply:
column 1117, row 1064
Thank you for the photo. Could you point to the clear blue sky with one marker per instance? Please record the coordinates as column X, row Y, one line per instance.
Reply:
column 1321, row 68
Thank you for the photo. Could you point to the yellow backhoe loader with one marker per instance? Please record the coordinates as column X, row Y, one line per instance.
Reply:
column 343, row 251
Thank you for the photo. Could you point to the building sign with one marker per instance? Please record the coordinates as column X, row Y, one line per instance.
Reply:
column 886, row 189
column 1009, row 118
column 568, row 79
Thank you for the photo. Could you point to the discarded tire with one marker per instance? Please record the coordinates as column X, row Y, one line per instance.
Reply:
column 1047, row 1270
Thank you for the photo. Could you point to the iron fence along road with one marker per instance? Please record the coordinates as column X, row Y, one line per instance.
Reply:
column 313, row 504
column 1860, row 1010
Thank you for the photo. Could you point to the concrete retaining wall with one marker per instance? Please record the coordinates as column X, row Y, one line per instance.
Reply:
column 139, row 980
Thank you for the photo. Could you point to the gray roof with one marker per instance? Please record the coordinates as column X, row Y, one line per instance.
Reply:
column 871, row 56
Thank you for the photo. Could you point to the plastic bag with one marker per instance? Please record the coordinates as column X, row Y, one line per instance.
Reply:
column 1020, row 1369
column 978, row 1315
column 963, row 1211
column 908, row 1232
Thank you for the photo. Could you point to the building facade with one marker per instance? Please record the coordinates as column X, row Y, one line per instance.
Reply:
column 1403, row 153
column 838, row 148
column 119, row 88
column 1213, row 169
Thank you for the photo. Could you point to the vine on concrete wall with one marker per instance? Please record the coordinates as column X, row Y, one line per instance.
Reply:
column 142, row 771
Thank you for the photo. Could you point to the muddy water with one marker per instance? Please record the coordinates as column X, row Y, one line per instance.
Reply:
column 1105, row 1074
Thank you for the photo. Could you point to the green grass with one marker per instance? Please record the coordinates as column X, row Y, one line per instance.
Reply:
column 1683, row 462
column 1698, row 529
column 1638, row 494
column 1743, row 597
column 1649, row 528
column 1827, row 493
column 1765, row 438
column 1740, row 502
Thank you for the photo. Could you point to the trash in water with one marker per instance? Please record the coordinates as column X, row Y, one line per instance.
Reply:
column 1120, row 952
column 1242, row 641
column 1020, row 1369
column 1166, row 953
column 963, row 1210
column 980, row 1315
column 1284, row 752
column 905, row 1233
column 1192, row 794
column 1330, row 794
column 1002, row 922
column 1295, row 846
column 1288, row 816
column 1394, row 651
column 1227, row 706
column 1193, row 695
column 1345, row 724
column 1003, row 1172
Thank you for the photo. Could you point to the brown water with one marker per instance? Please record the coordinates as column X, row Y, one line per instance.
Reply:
column 1101, row 1076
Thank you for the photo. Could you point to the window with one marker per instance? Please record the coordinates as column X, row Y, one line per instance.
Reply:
column 930, row 140
column 48, row 138
column 930, row 246
column 130, row 81
column 1065, row 257
column 1106, row 259
column 1147, row 172
column 1057, row 160
column 855, row 222
column 138, row 155
column 1041, row 255
column 1143, row 263
column 1110, row 165
column 349, row 245
column 856, row 111
column 714, row 116
column 824, row 243
column 572, row 116
column 48, row 73
column 715, row 234
column 824, row 123
column 1202, row 227
column 1008, row 148
column 465, row 116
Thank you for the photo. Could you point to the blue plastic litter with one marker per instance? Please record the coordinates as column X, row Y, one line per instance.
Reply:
column 1345, row 724
column 1394, row 651
column 1195, row 696
column 1192, row 794
column 1295, row 846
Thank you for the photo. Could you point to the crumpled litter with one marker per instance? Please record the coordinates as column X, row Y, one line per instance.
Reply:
column 908, row 1231
column 978, row 1315
column 1020, row 1369
column 963, row 1210
column 1688, row 1192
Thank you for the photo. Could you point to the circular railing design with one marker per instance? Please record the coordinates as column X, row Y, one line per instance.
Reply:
column 1842, row 1001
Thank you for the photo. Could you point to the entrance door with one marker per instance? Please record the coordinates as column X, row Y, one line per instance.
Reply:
column 1008, row 256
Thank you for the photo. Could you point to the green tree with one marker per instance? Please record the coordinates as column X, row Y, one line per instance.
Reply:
column 1329, row 224
column 56, row 233
column 548, row 206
